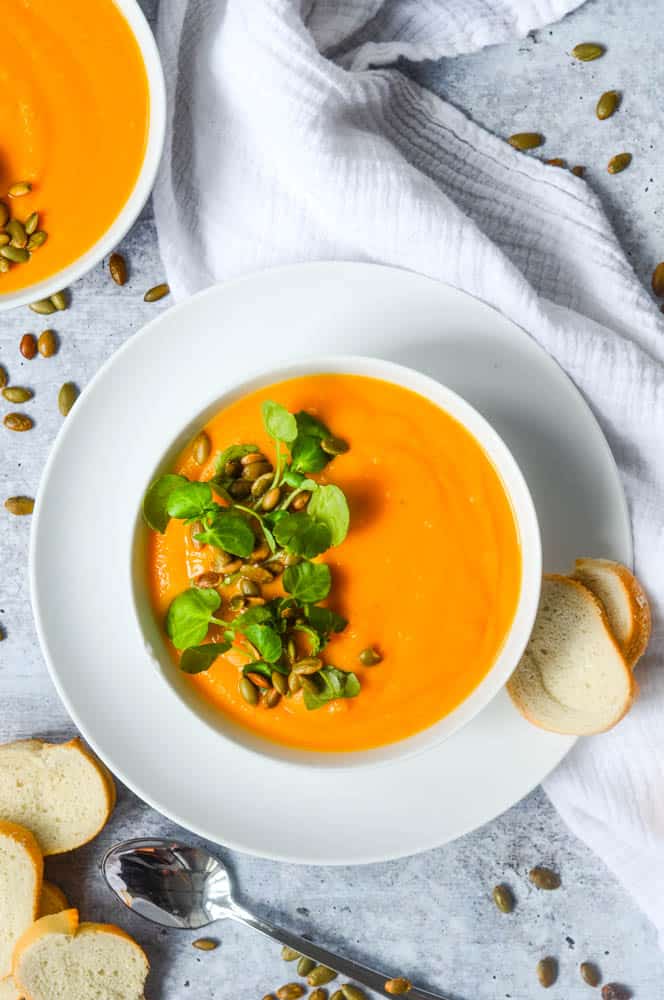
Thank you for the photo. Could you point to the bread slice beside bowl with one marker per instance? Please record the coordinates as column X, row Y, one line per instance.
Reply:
column 59, row 957
column 573, row 677
column 21, row 870
column 624, row 601
column 59, row 791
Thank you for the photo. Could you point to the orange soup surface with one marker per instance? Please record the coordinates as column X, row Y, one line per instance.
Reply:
column 429, row 572
column 73, row 123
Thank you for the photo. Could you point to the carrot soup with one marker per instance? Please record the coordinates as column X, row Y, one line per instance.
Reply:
column 73, row 129
column 336, row 561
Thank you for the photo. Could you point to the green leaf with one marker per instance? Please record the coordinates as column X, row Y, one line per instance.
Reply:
column 336, row 684
column 228, row 531
column 324, row 619
column 279, row 423
column 198, row 658
column 229, row 455
column 301, row 535
column 261, row 615
column 329, row 506
column 189, row 500
column 309, row 426
column 308, row 582
column 156, row 499
column 266, row 641
column 189, row 616
column 307, row 455
column 258, row 667
column 316, row 641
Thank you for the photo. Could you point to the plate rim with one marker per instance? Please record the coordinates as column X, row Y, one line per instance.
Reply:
column 199, row 829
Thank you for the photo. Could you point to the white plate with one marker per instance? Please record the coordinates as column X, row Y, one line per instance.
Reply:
column 152, row 390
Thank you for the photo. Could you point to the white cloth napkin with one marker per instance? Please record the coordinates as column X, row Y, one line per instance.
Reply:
column 289, row 141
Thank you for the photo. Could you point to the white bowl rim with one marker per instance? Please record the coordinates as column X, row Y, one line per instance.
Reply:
column 143, row 184
column 526, row 521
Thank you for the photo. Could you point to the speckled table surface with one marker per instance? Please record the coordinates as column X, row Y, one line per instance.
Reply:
column 430, row 916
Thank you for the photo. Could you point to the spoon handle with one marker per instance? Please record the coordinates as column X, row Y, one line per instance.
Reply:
column 352, row 970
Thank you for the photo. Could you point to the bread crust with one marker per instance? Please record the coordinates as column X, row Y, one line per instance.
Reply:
column 27, row 840
column 52, row 900
column 632, row 686
column 637, row 643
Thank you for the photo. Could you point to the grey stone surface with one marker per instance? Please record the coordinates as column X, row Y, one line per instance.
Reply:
column 429, row 916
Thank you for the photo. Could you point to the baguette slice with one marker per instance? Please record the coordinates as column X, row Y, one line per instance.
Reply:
column 624, row 600
column 58, row 790
column 572, row 677
column 59, row 959
column 52, row 900
column 21, row 870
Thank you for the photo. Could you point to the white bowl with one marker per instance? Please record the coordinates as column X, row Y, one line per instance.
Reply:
column 531, row 570
column 141, row 190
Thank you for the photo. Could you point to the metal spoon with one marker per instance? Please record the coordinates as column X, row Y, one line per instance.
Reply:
column 179, row 886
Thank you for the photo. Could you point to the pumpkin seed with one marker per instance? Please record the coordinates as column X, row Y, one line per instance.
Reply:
column 17, row 394
column 658, row 279
column 555, row 162
column 271, row 698
column 256, row 573
column 590, row 974
column 258, row 680
column 17, row 422
column 369, row 657
column 615, row 991
column 318, row 994
column 321, row 976
column 261, row 485
column 294, row 683
column 47, row 344
column 616, row 164
column 232, row 469
column 28, row 346
column 17, row 255
column 20, row 506
column 397, row 987
column 301, row 501
column 309, row 665
column 19, row 189
column 67, row 397
column 271, row 498
column 18, row 234
column 526, row 140
column 4, row 214
column 43, row 306
column 305, row 965
column 37, row 240
column 4, row 266
column 3, row 377
column 237, row 603
column 249, row 588
column 255, row 470
column 207, row 580
column 5, row 238
column 503, row 898
column 240, row 489
column 260, row 553
column 607, row 104
column 251, row 457
column 544, row 878
column 587, row 51
column 59, row 300
column 351, row 992
column 31, row 223
column 269, row 996
column 248, row 691
column 337, row 995
column 547, row 972
column 201, row 448
column 156, row 292
column 334, row 446
column 289, row 954
column 291, row 991
column 578, row 171
column 279, row 682
column 118, row 268
column 205, row 944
